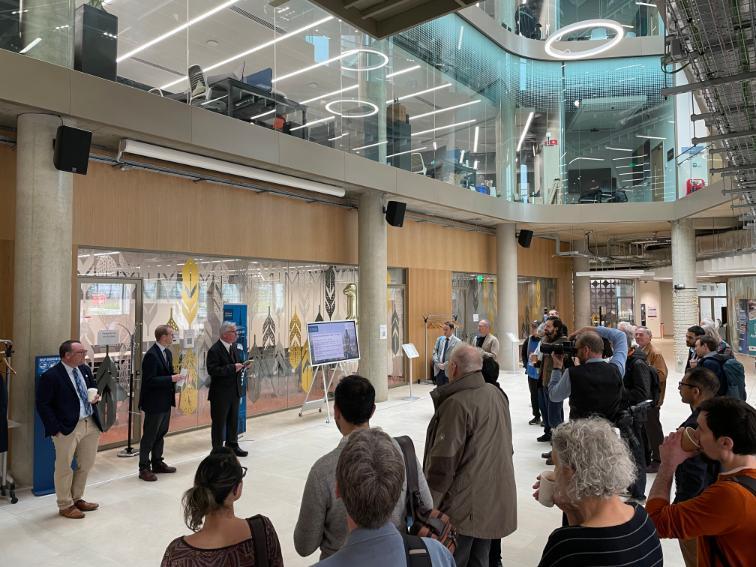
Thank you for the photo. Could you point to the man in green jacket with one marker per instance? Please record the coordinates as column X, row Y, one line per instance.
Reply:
column 468, row 458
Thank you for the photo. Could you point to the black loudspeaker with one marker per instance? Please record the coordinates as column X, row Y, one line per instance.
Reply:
column 72, row 149
column 395, row 213
column 524, row 238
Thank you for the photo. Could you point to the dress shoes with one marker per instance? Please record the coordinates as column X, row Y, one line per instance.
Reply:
column 239, row 452
column 85, row 506
column 545, row 438
column 535, row 421
column 653, row 468
column 546, row 455
column 72, row 512
column 148, row 475
column 550, row 462
column 163, row 468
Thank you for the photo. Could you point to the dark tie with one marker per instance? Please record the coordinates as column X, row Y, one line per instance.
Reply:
column 165, row 358
column 231, row 353
column 446, row 347
column 82, row 391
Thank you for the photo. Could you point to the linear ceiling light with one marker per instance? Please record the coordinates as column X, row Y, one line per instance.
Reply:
column 254, row 49
column 586, row 159
column 403, row 71
column 333, row 93
column 618, row 149
column 585, row 25
column 370, row 146
column 337, row 58
column 338, row 137
column 407, row 152
column 175, row 30
column 212, row 164
column 618, row 274
column 263, row 114
column 418, row 93
column 650, row 137
column 30, row 45
column 628, row 157
column 440, row 110
column 475, row 139
column 475, row 164
column 462, row 156
column 312, row 123
column 444, row 127
column 525, row 130
column 645, row 4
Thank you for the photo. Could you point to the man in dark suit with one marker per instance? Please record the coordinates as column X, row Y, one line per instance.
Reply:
column 225, row 389
column 156, row 397
column 73, row 423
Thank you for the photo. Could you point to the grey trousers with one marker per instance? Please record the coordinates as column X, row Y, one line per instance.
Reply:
column 471, row 551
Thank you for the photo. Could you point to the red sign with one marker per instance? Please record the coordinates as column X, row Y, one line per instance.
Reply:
column 551, row 142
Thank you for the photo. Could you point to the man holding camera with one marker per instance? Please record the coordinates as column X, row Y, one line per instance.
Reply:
column 554, row 334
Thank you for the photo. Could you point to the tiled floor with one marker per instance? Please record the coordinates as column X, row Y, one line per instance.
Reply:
column 137, row 519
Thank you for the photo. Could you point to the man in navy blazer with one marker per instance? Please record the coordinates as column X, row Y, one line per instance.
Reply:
column 156, row 397
column 73, row 423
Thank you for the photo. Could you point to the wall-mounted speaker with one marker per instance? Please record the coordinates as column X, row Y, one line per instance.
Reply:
column 72, row 149
column 395, row 213
column 524, row 238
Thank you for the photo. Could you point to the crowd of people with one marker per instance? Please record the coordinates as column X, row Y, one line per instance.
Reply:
column 371, row 502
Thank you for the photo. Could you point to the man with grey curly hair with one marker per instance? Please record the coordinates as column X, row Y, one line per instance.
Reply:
column 593, row 466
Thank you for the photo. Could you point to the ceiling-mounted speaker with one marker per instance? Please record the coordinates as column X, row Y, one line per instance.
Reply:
column 524, row 238
column 72, row 149
column 395, row 213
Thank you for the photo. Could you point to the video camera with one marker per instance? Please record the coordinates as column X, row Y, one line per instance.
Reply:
column 566, row 348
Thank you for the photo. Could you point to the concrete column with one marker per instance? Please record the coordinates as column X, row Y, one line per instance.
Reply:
column 42, row 271
column 373, row 262
column 684, row 288
column 582, row 288
column 53, row 24
column 506, row 290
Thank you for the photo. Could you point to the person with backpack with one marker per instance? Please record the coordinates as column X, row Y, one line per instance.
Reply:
column 220, row 538
column 728, row 369
column 723, row 517
column 652, row 430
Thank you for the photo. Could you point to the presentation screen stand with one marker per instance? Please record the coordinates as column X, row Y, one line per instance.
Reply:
column 327, row 377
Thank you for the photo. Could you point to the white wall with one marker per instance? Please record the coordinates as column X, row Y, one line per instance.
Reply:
column 649, row 294
column 665, row 292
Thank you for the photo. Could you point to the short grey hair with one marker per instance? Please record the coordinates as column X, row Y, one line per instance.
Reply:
column 601, row 461
column 467, row 358
column 227, row 326
column 644, row 330
column 369, row 477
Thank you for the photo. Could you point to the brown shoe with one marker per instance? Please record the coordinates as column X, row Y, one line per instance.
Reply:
column 148, row 475
column 163, row 468
column 71, row 512
column 85, row 506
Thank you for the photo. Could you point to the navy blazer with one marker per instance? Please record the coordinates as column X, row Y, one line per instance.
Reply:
column 225, row 381
column 58, row 402
column 158, row 391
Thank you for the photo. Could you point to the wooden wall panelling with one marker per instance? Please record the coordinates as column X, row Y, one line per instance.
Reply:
column 430, row 291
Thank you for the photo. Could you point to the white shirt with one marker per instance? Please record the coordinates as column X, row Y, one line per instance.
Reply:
column 227, row 345
column 84, row 411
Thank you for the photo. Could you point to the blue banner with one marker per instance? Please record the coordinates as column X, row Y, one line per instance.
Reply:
column 44, row 451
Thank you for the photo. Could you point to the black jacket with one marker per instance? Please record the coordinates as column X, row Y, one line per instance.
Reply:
column 637, row 380
column 225, row 381
column 58, row 402
column 596, row 389
column 158, row 391
column 695, row 474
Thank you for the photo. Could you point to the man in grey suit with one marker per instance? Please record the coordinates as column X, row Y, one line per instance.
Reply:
column 442, row 351
column 485, row 341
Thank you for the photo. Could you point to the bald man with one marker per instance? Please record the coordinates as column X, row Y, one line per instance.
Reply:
column 485, row 341
column 469, row 442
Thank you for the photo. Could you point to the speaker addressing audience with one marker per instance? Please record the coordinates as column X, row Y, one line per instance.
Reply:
column 220, row 538
column 468, row 458
column 593, row 466
column 723, row 517
column 322, row 516
column 442, row 351
column 370, row 475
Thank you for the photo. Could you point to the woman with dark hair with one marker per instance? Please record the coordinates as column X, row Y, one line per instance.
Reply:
column 220, row 538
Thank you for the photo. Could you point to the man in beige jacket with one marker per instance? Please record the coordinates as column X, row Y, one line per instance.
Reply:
column 485, row 341
column 468, row 458
column 653, row 427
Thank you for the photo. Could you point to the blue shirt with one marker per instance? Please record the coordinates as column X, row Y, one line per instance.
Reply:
column 531, row 370
column 560, row 387
column 382, row 547
column 85, row 410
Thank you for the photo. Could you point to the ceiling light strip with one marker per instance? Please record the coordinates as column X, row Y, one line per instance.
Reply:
column 525, row 130
column 333, row 93
column 407, row 152
column 618, row 149
column 418, row 93
column 403, row 71
column 370, row 146
column 337, row 58
column 263, row 114
column 319, row 121
column 444, row 127
column 440, row 110
column 30, row 45
column 476, row 137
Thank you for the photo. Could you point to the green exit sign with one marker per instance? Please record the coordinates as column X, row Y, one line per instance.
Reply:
column 480, row 279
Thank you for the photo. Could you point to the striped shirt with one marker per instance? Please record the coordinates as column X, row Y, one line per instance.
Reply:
column 633, row 543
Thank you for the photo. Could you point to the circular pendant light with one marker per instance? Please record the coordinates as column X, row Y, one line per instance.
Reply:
column 372, row 108
column 585, row 25
column 384, row 59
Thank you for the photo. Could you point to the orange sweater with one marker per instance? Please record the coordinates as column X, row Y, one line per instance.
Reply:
column 725, row 510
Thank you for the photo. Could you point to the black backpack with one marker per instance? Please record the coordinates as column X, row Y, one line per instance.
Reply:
column 655, row 385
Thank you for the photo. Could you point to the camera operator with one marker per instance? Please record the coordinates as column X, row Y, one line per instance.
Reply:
column 595, row 386
column 554, row 333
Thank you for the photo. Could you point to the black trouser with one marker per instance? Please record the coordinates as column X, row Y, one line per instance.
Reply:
column 533, row 386
column 638, row 449
column 471, row 551
column 654, row 435
column 224, row 413
column 494, row 555
column 153, row 432
column 441, row 378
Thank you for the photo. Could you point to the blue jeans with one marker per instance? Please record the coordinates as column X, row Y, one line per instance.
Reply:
column 552, row 413
column 441, row 378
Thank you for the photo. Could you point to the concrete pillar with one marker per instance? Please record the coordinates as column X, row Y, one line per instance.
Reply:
column 506, row 290
column 373, row 262
column 684, row 288
column 42, row 271
column 53, row 24
column 582, row 288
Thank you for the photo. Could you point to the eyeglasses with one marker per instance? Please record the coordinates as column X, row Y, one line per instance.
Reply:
column 79, row 352
column 244, row 471
column 681, row 384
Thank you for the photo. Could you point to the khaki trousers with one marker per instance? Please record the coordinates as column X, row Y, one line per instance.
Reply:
column 689, row 552
column 82, row 444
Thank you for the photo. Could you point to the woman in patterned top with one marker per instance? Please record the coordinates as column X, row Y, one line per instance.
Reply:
column 220, row 538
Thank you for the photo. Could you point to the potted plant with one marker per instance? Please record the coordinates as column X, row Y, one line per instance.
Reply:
column 95, row 40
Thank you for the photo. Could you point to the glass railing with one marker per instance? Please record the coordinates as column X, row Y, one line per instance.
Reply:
column 440, row 100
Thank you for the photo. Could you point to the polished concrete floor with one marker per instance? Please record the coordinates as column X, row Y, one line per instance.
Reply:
column 136, row 520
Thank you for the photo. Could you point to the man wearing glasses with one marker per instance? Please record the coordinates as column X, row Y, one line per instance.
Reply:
column 224, row 369
column 67, row 410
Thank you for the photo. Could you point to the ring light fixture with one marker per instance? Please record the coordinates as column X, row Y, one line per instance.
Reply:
column 585, row 25
column 373, row 108
column 383, row 63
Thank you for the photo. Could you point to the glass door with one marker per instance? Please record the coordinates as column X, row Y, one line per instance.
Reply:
column 110, row 325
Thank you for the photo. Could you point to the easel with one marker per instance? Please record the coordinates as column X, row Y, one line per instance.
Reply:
column 327, row 382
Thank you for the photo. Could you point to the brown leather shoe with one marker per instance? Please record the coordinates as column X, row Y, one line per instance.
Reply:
column 163, row 468
column 85, row 506
column 148, row 475
column 71, row 512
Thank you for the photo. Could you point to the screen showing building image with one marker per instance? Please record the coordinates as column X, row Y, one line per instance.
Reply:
column 332, row 342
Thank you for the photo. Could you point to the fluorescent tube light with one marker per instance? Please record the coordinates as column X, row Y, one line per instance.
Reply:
column 461, row 35
column 407, row 152
column 263, row 114
column 650, row 137
column 525, row 130
column 618, row 149
column 645, row 4
column 338, row 137
column 403, row 71
column 212, row 164
column 337, row 58
column 344, row 90
column 586, row 159
column 370, row 146
column 31, row 44
column 443, row 127
column 418, row 93
column 440, row 110
column 254, row 49
column 312, row 123
column 475, row 164
column 175, row 30
column 475, row 139
column 616, row 274
column 462, row 156
column 628, row 157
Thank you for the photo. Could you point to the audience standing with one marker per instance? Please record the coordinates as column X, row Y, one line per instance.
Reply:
column 653, row 428
column 468, row 458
